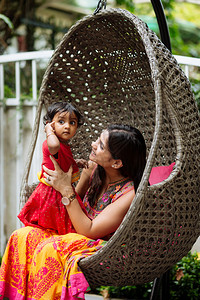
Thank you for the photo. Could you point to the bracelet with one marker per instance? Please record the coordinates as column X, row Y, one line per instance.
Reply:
column 50, row 133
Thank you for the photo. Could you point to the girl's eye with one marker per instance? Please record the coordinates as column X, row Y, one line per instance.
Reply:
column 61, row 121
column 73, row 122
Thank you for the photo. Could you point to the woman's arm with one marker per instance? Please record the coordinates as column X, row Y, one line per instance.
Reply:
column 105, row 223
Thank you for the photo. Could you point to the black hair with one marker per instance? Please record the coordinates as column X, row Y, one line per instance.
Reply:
column 127, row 144
column 62, row 107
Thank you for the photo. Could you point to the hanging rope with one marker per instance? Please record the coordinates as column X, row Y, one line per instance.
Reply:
column 101, row 4
column 162, row 22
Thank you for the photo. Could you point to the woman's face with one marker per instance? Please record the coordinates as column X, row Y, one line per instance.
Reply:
column 100, row 153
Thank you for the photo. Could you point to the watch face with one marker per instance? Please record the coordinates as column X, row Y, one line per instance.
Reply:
column 65, row 201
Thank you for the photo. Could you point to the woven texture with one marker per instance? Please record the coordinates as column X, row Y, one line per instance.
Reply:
column 115, row 69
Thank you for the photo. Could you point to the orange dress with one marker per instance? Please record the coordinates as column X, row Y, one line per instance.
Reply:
column 44, row 208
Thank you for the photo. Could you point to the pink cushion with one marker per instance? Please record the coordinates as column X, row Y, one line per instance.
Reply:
column 158, row 174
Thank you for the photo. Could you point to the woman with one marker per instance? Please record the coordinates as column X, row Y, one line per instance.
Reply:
column 39, row 264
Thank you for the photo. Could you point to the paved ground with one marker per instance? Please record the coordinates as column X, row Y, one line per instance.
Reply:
column 196, row 246
column 93, row 297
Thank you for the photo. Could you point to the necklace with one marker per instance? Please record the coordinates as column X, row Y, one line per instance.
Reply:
column 112, row 182
column 108, row 187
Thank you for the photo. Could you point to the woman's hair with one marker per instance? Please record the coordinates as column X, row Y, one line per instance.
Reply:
column 127, row 144
column 62, row 107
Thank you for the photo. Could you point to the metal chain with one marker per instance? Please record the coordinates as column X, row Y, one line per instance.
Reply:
column 101, row 4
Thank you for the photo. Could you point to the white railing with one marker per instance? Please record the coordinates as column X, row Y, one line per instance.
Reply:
column 8, row 200
column 11, row 165
column 188, row 62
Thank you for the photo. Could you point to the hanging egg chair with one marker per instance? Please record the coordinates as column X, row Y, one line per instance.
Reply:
column 116, row 70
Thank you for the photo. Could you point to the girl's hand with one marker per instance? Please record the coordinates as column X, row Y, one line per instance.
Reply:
column 82, row 163
column 84, row 181
column 53, row 142
column 58, row 179
column 50, row 127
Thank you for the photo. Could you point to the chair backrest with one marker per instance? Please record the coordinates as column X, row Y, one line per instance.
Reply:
column 116, row 70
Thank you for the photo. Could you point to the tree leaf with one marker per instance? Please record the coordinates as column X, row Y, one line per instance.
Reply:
column 7, row 21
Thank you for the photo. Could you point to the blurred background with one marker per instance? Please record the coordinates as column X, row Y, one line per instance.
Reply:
column 40, row 24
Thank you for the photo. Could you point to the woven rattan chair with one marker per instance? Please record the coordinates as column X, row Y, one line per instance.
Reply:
column 115, row 69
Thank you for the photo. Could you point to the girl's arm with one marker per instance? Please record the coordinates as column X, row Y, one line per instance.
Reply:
column 53, row 142
column 84, row 181
column 105, row 223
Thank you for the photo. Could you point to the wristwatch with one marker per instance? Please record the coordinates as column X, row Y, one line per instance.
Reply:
column 68, row 200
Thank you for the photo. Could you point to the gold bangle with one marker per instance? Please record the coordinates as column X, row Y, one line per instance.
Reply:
column 50, row 133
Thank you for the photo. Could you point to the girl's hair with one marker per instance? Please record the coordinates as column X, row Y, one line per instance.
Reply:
column 62, row 107
column 127, row 144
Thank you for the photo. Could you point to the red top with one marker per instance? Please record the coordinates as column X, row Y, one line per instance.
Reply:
column 44, row 208
column 64, row 159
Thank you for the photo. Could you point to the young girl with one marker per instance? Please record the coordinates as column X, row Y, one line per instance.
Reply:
column 44, row 208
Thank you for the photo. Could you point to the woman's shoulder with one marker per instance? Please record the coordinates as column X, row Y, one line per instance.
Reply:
column 124, row 184
column 128, row 184
column 122, row 189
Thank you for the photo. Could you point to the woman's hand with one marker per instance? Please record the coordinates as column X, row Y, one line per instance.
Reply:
column 58, row 179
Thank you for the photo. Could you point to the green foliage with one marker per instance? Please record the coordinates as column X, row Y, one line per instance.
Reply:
column 8, row 93
column 183, row 22
column 7, row 21
column 168, row 6
column 184, row 283
column 182, row 19
column 127, row 3
column 185, row 279
column 127, row 292
column 188, row 11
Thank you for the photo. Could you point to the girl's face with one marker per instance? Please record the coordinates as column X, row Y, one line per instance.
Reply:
column 100, row 153
column 65, row 125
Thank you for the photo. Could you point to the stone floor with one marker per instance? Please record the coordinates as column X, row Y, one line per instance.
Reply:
column 196, row 246
column 93, row 297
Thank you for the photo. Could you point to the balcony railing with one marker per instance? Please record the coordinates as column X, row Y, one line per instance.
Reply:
column 13, row 144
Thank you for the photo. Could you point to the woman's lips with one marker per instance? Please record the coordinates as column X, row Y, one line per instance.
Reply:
column 92, row 153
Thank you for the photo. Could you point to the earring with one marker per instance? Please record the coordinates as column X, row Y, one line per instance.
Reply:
column 113, row 166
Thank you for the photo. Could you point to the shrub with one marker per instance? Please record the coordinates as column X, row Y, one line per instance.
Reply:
column 127, row 292
column 185, row 278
